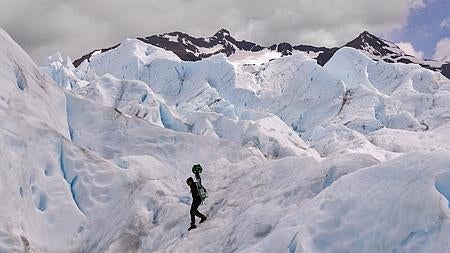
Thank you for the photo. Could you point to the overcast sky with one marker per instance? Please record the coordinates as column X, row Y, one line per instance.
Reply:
column 75, row 27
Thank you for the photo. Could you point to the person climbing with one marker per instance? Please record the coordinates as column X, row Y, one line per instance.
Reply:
column 196, row 201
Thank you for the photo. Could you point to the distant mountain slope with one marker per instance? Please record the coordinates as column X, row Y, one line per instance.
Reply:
column 189, row 48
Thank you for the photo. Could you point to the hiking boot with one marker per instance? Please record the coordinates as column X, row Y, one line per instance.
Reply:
column 203, row 219
column 193, row 226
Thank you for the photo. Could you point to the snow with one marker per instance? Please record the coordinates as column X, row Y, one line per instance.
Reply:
column 171, row 38
column 211, row 50
column 349, row 157
column 396, row 54
column 312, row 54
column 241, row 57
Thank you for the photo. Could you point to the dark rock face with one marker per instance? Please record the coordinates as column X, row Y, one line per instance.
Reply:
column 78, row 61
column 190, row 48
column 380, row 49
column 366, row 40
column 183, row 50
column 446, row 70
column 326, row 55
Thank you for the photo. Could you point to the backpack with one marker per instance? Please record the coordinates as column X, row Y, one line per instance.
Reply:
column 202, row 193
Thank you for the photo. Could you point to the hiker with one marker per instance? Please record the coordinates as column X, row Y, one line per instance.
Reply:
column 196, row 201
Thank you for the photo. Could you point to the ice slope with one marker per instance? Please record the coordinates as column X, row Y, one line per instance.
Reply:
column 287, row 87
column 374, row 98
column 130, row 97
column 371, row 112
column 62, row 71
column 349, row 157
column 185, row 98
column 349, row 98
column 384, row 102
column 33, row 123
column 61, row 196
column 398, row 206
column 134, row 98
column 156, row 160
column 87, row 187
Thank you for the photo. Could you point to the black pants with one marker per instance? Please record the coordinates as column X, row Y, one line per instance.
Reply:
column 194, row 212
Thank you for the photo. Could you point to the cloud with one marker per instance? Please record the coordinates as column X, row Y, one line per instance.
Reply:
column 76, row 27
column 417, row 4
column 445, row 23
column 442, row 51
column 408, row 48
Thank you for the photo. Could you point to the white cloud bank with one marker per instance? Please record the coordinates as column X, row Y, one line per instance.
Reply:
column 76, row 27
column 408, row 48
column 442, row 51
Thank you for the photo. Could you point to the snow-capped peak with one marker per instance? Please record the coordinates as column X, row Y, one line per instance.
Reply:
column 222, row 33
column 374, row 45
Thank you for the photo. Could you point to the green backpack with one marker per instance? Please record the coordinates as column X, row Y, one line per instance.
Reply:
column 201, row 191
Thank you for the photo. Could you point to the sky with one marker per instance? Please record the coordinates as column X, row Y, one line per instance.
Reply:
column 427, row 30
column 74, row 28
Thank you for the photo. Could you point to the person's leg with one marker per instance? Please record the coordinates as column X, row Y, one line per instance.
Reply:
column 199, row 214
column 193, row 212
column 194, row 208
column 202, row 216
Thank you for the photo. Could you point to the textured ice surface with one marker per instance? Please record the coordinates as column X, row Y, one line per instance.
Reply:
column 349, row 157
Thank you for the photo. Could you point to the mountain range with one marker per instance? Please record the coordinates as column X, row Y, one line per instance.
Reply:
column 190, row 48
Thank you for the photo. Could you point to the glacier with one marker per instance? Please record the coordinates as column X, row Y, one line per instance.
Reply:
column 352, row 156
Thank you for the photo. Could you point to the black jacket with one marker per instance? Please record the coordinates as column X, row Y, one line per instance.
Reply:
column 194, row 192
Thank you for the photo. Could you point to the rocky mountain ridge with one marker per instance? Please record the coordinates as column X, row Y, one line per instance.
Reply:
column 189, row 48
